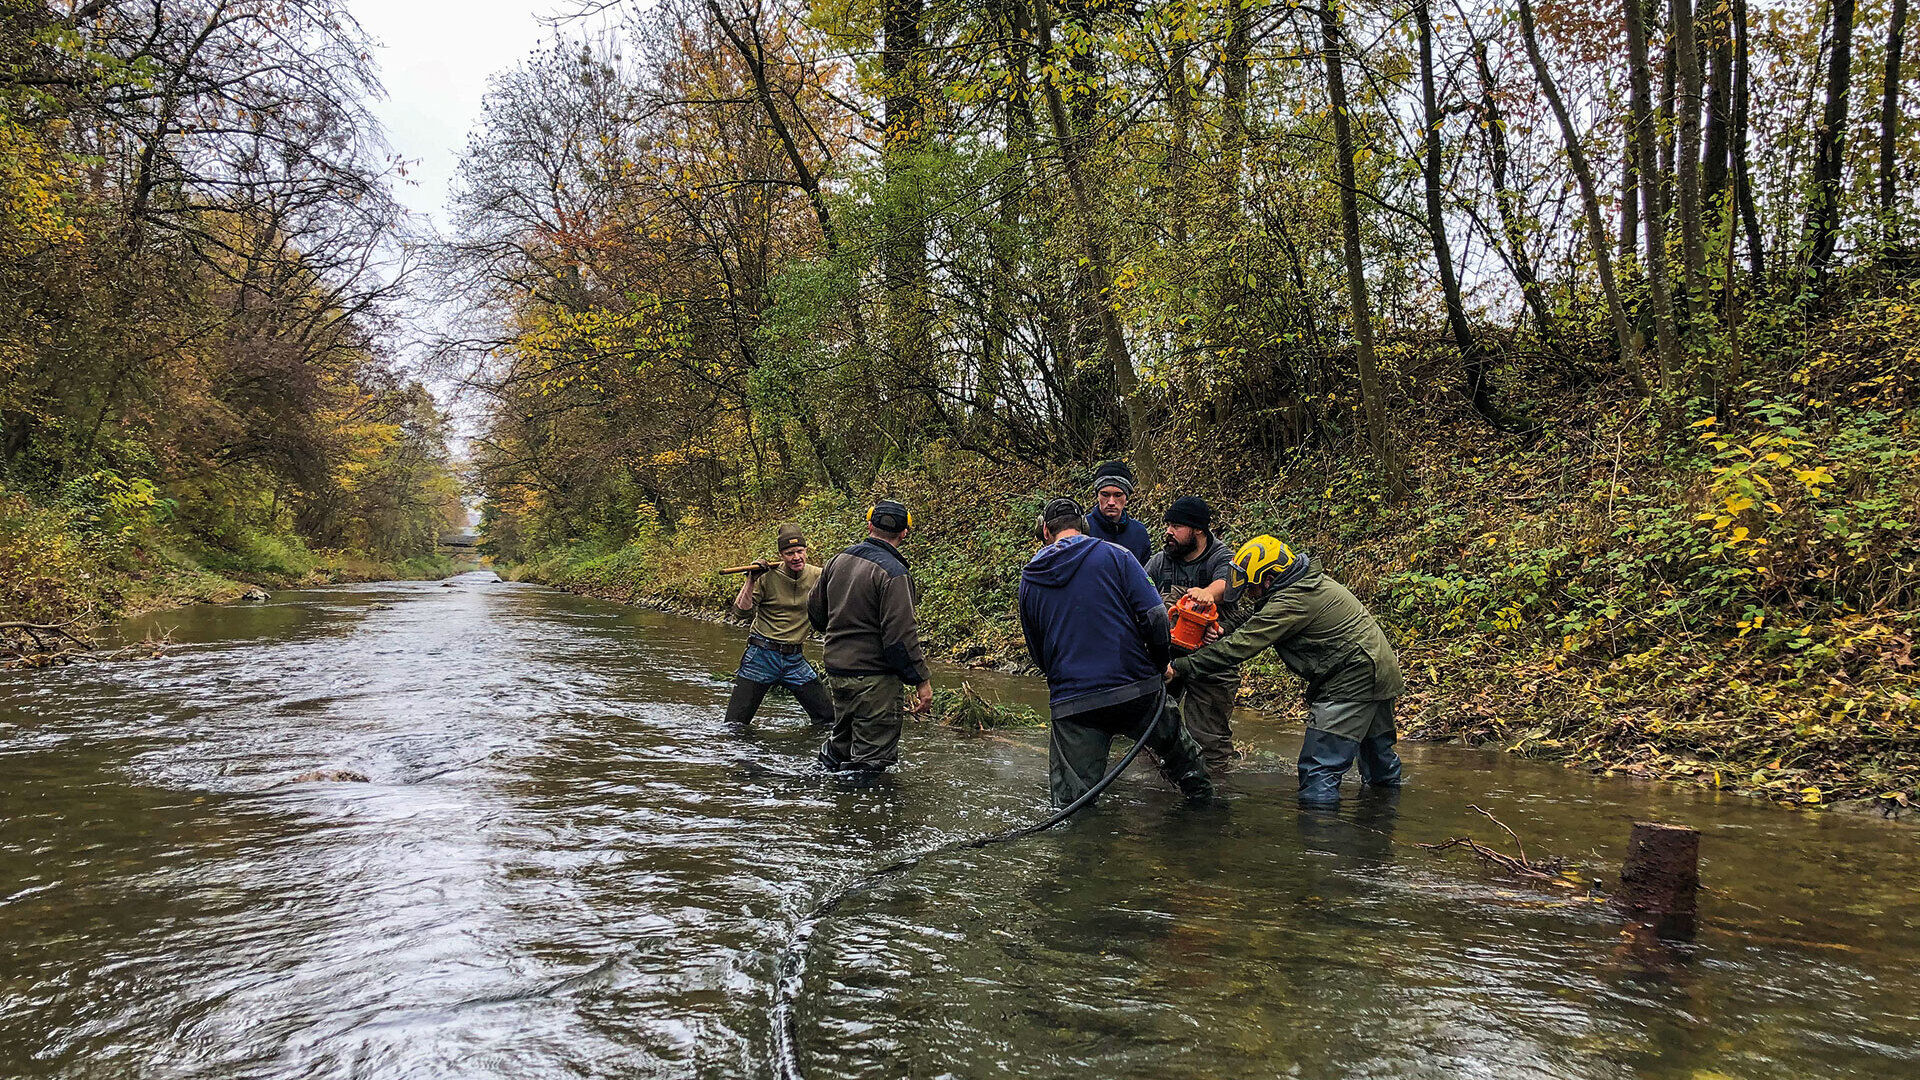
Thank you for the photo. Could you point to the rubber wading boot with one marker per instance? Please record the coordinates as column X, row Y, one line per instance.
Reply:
column 814, row 698
column 1196, row 786
column 745, row 702
column 1324, row 759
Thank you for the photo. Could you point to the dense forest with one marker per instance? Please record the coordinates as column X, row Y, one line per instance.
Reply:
column 197, row 272
column 1581, row 340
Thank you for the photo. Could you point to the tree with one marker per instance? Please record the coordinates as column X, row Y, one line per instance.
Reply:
column 1823, row 209
column 1890, row 125
column 1624, row 338
column 1372, row 393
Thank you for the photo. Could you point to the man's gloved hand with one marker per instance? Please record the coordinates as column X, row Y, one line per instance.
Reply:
column 760, row 566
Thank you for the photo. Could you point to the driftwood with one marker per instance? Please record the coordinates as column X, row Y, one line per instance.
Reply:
column 1518, row 865
column 42, row 645
column 30, row 644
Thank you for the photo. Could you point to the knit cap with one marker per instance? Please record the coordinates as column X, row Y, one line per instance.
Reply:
column 1191, row 511
column 1113, row 474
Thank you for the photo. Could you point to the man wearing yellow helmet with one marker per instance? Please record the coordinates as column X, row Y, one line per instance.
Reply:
column 1326, row 636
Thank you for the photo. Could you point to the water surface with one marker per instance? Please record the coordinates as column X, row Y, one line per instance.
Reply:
column 564, row 865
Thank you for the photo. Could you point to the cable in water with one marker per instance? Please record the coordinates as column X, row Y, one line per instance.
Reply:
column 793, row 960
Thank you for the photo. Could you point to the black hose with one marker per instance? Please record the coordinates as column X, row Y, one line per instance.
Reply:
column 793, row 960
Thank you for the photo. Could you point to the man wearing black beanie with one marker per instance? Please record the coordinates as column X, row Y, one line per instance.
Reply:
column 1194, row 564
column 1109, row 520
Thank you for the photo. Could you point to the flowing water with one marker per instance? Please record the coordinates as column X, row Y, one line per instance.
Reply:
column 563, row 865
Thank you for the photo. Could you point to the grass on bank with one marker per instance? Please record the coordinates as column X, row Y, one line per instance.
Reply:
column 64, row 564
column 1725, row 599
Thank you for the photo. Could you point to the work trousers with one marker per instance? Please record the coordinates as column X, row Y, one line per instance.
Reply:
column 1206, row 704
column 1340, row 732
column 1078, row 747
column 867, row 717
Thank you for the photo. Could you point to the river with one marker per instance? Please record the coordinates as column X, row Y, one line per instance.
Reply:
column 563, row 865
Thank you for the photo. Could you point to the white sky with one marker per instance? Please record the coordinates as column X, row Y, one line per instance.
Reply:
column 435, row 57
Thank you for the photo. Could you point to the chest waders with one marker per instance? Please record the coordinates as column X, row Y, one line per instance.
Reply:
column 793, row 959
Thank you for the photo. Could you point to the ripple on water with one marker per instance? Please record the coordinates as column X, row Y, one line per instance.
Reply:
column 563, row 865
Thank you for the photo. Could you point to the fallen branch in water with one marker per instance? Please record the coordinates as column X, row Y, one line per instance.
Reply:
column 38, row 645
column 1519, row 866
column 967, row 710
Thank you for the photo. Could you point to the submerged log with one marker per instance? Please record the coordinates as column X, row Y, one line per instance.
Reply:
column 1660, row 880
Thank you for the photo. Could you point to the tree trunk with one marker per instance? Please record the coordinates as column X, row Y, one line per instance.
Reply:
column 1597, row 237
column 1113, row 338
column 904, row 258
column 1743, row 182
column 1665, row 131
column 1473, row 357
column 1713, row 168
column 1513, row 223
column 1651, row 215
column 1629, row 199
column 1688, row 104
column 1372, row 394
column 1890, row 125
column 1823, row 211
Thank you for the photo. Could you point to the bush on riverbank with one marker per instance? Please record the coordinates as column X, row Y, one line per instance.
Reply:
column 59, row 564
column 1726, row 600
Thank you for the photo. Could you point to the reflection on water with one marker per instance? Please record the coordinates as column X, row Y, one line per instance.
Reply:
column 564, row 866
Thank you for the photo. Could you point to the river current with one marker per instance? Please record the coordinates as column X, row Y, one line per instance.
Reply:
column 562, row 864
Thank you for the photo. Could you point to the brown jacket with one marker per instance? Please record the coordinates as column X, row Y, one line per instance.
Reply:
column 863, row 604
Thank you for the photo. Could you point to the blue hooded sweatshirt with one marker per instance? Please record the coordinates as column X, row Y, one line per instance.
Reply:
column 1094, row 625
column 1129, row 533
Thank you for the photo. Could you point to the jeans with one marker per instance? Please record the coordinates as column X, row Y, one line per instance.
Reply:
column 772, row 668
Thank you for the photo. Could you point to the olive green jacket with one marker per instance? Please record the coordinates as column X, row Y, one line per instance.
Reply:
column 1322, row 632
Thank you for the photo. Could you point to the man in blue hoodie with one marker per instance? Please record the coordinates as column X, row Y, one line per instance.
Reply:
column 1098, row 630
column 1109, row 520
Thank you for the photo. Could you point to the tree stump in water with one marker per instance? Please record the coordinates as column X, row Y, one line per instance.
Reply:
column 1660, row 880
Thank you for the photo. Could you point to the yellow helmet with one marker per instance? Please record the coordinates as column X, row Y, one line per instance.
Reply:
column 1258, row 559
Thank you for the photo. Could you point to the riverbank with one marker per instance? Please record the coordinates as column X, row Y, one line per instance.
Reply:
column 1621, row 596
column 53, row 569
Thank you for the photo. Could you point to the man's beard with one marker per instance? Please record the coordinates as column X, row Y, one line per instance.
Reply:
column 1178, row 550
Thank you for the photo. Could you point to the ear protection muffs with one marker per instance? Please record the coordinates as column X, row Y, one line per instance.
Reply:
column 871, row 509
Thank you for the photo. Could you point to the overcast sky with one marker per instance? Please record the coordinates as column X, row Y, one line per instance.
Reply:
column 435, row 57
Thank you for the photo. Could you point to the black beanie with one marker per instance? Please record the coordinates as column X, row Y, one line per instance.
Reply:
column 1115, row 473
column 889, row 516
column 1191, row 511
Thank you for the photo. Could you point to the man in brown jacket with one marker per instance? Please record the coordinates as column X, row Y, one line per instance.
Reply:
column 863, row 604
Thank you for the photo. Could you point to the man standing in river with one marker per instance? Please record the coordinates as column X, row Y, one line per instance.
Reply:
column 775, row 596
column 1194, row 564
column 863, row 604
column 1325, row 635
column 1097, row 629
